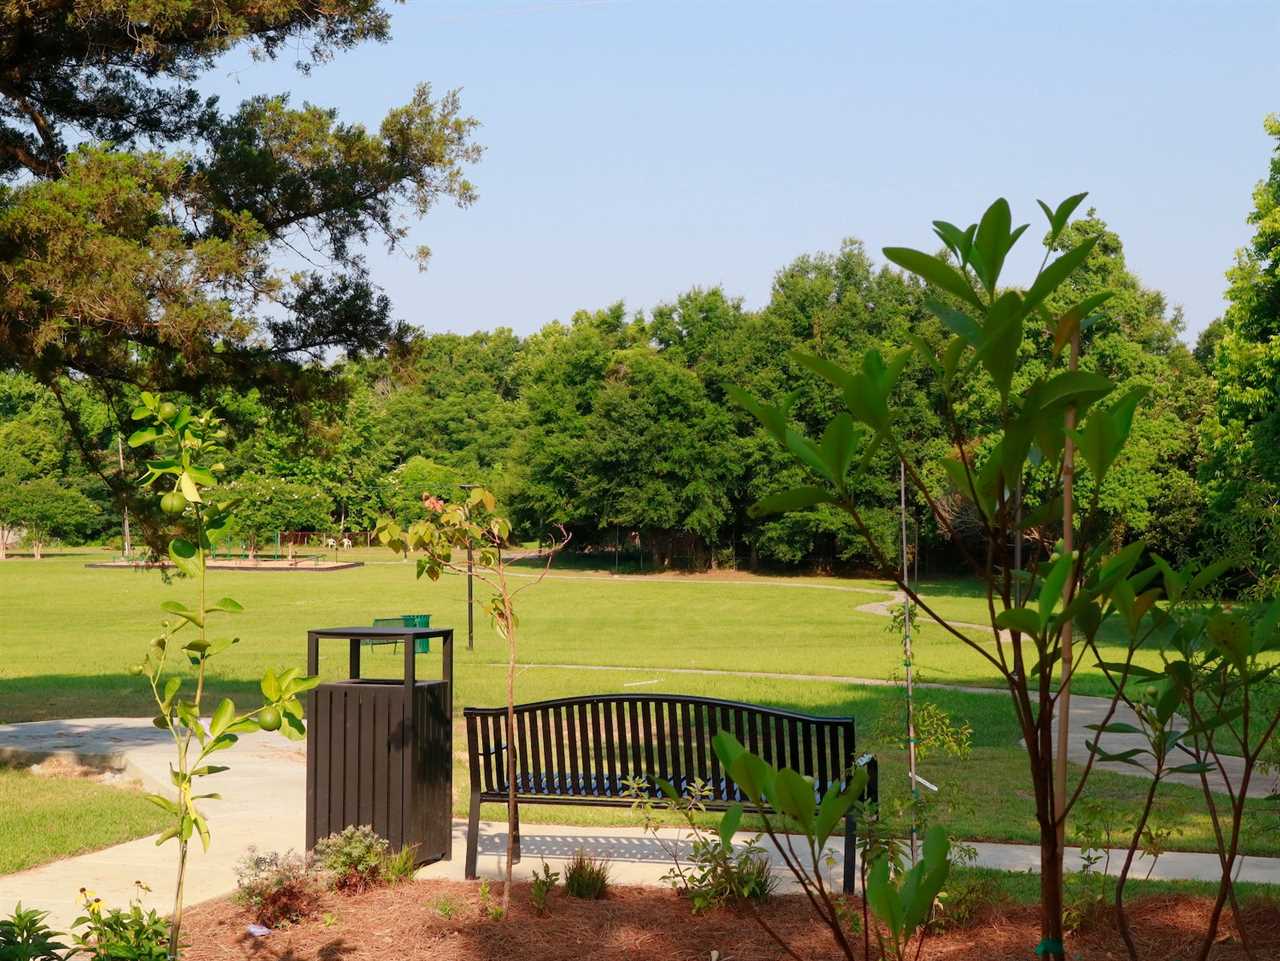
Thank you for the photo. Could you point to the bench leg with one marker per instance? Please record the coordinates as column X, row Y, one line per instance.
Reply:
column 850, row 854
column 473, row 836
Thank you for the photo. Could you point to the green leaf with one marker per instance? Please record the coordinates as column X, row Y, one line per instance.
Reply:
column 1117, row 727
column 1055, row 273
column 1194, row 768
column 177, row 607
column 1134, row 670
column 1002, row 340
column 793, row 796
column 838, row 446
column 933, row 270
column 795, row 499
column 1021, row 619
column 753, row 776
column 163, row 803
column 144, row 435
column 668, row 791
column 924, row 882
column 835, row 805
column 225, row 604
column 1079, row 387
column 301, row 684
column 171, row 688
column 1105, row 433
column 991, row 243
column 222, row 716
column 270, row 686
column 882, row 897
column 727, row 748
column 829, row 371
column 1209, row 574
column 774, row 419
column 186, row 556
column 1054, row 582
column 189, row 489
column 956, row 321
column 806, row 451
column 1070, row 321
column 729, row 822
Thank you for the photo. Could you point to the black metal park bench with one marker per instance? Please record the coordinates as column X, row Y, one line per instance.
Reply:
column 584, row 750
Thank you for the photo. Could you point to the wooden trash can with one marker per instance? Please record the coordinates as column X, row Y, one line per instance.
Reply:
column 380, row 750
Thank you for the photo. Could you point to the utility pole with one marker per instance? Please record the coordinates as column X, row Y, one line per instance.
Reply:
column 471, row 609
column 128, row 541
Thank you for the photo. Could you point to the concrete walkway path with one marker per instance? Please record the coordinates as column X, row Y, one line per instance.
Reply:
column 263, row 806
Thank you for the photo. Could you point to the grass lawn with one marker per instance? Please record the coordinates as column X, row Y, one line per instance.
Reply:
column 74, row 815
column 71, row 633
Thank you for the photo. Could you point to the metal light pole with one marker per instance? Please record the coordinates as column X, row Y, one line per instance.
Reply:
column 471, row 610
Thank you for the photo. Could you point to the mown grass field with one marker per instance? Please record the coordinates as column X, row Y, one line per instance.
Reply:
column 70, row 633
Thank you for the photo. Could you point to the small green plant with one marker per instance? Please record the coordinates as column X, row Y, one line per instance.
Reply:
column 189, row 452
column 1087, row 890
column 25, row 937
column 494, row 912
column 445, row 907
column 903, row 904
column 717, row 872
column 329, row 919
column 542, row 886
column 400, row 866
column 1155, row 842
column 965, row 897
column 353, row 859
column 112, row 934
column 586, row 877
column 276, row 888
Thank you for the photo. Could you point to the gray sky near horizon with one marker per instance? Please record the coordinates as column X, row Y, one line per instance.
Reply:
column 637, row 148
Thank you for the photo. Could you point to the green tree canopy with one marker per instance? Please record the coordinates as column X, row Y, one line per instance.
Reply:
column 1242, row 474
column 47, row 509
column 267, row 506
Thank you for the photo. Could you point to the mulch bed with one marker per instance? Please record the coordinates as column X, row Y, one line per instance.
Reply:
column 640, row 923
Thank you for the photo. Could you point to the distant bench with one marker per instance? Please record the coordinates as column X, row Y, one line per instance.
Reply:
column 583, row 750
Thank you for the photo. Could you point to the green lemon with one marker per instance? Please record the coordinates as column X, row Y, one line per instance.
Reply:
column 168, row 411
column 269, row 719
column 173, row 502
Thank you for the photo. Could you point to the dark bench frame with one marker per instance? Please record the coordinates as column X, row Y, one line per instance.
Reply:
column 607, row 739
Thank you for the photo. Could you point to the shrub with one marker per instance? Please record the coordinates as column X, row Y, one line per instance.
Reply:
column 966, row 895
column 275, row 888
column 113, row 934
column 354, row 859
column 542, row 886
column 25, row 937
column 400, row 866
column 587, row 877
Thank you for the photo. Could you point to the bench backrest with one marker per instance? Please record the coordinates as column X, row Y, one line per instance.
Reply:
column 585, row 747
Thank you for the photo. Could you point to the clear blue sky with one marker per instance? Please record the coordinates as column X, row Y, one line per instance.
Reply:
column 636, row 149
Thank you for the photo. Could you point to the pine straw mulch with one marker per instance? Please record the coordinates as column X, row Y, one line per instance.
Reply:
column 406, row 922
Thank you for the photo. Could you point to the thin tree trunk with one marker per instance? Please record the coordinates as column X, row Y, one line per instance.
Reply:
column 1122, row 918
column 511, row 753
column 1065, row 637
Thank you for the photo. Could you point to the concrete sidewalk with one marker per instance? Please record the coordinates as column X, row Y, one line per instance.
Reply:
column 263, row 806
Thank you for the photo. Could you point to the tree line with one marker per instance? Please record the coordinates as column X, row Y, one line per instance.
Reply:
column 617, row 424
